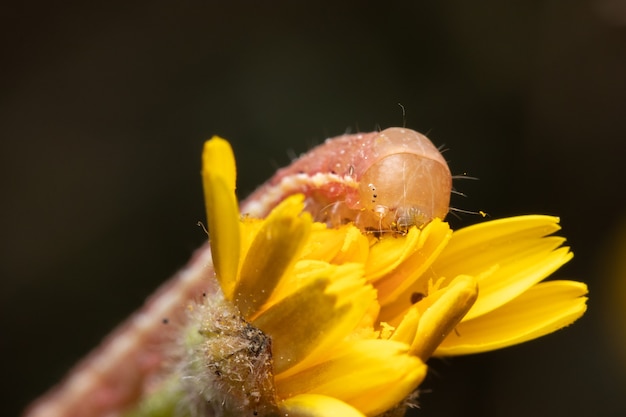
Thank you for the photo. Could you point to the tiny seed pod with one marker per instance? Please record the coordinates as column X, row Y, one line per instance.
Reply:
column 382, row 181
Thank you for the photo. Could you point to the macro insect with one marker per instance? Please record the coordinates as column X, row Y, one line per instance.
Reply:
column 383, row 181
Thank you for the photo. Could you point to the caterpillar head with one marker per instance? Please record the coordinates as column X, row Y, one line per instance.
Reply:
column 408, row 183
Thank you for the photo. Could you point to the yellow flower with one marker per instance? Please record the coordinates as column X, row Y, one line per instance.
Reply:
column 346, row 321
column 304, row 286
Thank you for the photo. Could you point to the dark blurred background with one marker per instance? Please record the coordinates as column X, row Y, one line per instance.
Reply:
column 104, row 109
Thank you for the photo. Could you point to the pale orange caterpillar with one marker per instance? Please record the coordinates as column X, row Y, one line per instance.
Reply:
column 381, row 181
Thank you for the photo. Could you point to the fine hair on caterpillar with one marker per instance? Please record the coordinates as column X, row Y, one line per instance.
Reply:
column 456, row 211
column 382, row 182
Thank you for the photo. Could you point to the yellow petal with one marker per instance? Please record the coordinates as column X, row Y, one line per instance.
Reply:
column 218, row 177
column 390, row 253
column 515, row 276
column 441, row 312
column 271, row 255
column 543, row 309
column 312, row 405
column 473, row 247
column 324, row 243
column 316, row 316
column 355, row 247
column 520, row 227
column 406, row 330
column 395, row 289
column 371, row 375
column 218, row 159
column 507, row 256
column 337, row 246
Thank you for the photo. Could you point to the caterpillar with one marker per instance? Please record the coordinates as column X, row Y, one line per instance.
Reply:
column 383, row 181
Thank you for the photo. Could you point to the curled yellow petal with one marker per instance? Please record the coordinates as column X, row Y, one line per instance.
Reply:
column 441, row 313
column 218, row 177
column 543, row 309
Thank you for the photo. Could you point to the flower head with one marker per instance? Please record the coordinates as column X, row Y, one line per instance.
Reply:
column 301, row 319
column 334, row 322
column 304, row 286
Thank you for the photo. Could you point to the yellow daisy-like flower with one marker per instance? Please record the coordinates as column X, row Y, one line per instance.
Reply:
column 304, row 287
column 326, row 322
